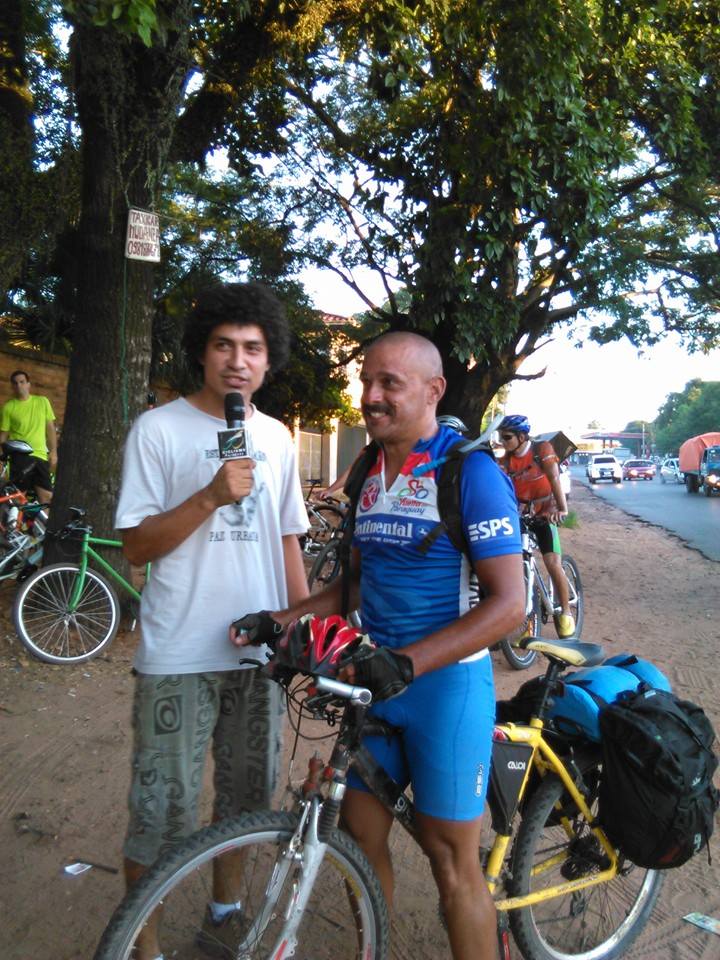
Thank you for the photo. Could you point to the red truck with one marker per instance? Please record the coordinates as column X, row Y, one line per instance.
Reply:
column 700, row 463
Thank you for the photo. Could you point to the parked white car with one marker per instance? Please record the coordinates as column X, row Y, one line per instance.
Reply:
column 603, row 466
column 670, row 471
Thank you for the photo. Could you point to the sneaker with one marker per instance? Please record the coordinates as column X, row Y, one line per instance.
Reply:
column 220, row 939
column 565, row 626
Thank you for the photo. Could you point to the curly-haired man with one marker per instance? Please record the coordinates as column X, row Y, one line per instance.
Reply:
column 220, row 535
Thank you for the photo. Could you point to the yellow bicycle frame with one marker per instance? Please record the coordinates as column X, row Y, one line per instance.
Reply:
column 545, row 761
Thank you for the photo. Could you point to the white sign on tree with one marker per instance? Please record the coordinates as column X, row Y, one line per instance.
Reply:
column 143, row 235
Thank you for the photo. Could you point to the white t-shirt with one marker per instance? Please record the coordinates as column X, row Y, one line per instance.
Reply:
column 233, row 563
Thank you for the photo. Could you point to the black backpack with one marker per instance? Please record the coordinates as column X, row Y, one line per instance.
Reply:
column 657, row 801
column 448, row 483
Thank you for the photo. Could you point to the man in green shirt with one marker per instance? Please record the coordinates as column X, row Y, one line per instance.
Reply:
column 30, row 419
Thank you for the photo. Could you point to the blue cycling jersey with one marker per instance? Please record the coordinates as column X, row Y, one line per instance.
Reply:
column 406, row 595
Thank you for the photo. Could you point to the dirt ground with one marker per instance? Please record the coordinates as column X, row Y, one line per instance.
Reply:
column 64, row 753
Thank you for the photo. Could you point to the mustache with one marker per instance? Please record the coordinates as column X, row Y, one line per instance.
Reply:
column 375, row 408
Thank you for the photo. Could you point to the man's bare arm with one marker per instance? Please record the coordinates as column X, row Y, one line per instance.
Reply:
column 160, row 534
column 500, row 611
column 51, row 440
column 552, row 472
column 295, row 579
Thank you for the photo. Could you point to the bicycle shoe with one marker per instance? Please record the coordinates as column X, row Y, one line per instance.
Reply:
column 220, row 939
column 565, row 626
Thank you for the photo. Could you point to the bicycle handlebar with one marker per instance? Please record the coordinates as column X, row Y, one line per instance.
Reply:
column 347, row 691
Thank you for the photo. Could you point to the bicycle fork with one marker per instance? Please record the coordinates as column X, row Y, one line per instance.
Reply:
column 298, row 863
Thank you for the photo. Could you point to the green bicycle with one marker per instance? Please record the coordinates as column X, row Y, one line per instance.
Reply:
column 68, row 612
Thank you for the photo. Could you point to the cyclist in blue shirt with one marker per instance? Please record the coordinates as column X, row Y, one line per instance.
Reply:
column 430, row 673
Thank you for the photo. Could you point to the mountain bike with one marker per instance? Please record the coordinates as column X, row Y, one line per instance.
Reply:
column 68, row 612
column 325, row 517
column 541, row 607
column 22, row 522
column 308, row 891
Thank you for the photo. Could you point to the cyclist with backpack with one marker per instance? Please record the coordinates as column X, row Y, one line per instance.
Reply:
column 533, row 468
column 425, row 653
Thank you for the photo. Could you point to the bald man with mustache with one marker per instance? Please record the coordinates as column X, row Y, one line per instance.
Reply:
column 431, row 674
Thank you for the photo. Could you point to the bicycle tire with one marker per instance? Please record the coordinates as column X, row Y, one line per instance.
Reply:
column 596, row 923
column 577, row 598
column 325, row 568
column 325, row 521
column 335, row 926
column 518, row 657
column 48, row 631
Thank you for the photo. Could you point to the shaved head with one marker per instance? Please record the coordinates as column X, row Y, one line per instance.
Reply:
column 417, row 350
column 402, row 386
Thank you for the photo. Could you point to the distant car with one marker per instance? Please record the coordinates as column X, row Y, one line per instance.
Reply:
column 565, row 479
column 638, row 470
column 670, row 471
column 603, row 466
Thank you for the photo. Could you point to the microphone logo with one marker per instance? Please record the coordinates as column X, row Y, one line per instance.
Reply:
column 232, row 443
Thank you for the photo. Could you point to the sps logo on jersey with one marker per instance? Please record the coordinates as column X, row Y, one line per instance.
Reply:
column 498, row 526
column 370, row 494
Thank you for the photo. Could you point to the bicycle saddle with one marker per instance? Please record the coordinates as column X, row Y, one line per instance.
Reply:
column 10, row 447
column 574, row 652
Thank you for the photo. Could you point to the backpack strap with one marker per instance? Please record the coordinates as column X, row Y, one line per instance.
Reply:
column 352, row 489
column 449, row 500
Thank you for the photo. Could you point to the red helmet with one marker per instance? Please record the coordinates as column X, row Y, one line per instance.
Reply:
column 316, row 644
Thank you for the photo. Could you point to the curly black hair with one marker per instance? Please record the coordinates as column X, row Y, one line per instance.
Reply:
column 242, row 304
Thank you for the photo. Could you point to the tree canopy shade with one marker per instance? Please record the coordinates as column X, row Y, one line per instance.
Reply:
column 131, row 62
column 507, row 166
column 694, row 410
column 513, row 166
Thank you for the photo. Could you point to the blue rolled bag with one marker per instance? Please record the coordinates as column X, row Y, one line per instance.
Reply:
column 580, row 696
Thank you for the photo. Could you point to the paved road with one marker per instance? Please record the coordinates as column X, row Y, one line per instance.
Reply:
column 695, row 518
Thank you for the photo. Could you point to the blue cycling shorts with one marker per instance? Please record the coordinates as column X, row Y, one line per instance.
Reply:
column 446, row 718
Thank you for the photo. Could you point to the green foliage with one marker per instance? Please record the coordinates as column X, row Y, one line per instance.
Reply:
column 515, row 166
column 571, row 521
column 139, row 18
column 694, row 410
column 648, row 432
column 311, row 388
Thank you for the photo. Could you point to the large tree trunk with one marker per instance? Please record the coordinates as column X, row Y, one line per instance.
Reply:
column 17, row 204
column 128, row 98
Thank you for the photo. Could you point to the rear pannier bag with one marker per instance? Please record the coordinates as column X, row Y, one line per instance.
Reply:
column 657, row 801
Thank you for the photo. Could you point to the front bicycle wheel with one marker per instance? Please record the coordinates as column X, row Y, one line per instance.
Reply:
column 325, row 568
column 595, row 923
column 50, row 630
column 344, row 919
column 575, row 590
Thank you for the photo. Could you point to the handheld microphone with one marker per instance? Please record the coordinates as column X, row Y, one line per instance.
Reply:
column 232, row 443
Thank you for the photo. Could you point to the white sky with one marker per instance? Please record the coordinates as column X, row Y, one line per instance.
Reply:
column 612, row 384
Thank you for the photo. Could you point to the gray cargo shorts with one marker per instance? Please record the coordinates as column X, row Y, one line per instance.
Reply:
column 174, row 718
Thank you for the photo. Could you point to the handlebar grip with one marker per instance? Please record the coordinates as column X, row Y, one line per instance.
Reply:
column 347, row 691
